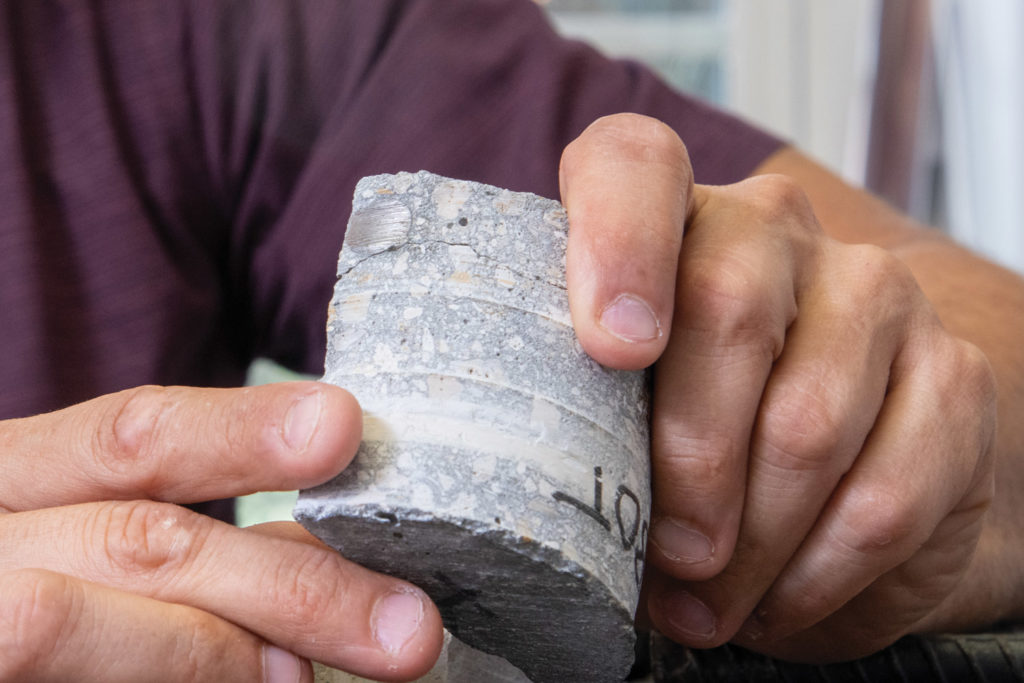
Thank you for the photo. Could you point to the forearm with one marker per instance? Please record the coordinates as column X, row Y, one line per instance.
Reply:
column 977, row 301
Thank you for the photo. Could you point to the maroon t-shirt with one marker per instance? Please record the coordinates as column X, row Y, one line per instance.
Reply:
column 175, row 177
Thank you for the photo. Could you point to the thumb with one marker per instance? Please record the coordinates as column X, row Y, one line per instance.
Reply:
column 626, row 183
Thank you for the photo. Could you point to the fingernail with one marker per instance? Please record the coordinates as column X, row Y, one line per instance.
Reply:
column 302, row 420
column 396, row 619
column 680, row 542
column 280, row 666
column 630, row 318
column 688, row 615
column 751, row 628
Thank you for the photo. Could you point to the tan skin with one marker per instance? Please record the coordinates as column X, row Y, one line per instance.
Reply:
column 824, row 429
column 824, row 439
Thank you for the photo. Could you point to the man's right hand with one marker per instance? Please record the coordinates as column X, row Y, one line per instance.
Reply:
column 104, row 578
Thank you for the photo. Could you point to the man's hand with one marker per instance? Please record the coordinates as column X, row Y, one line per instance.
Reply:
column 822, row 446
column 103, row 578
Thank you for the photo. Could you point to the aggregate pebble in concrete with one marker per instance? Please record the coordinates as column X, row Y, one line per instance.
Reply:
column 501, row 468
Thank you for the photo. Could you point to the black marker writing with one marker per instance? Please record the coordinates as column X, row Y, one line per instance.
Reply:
column 628, row 518
column 592, row 511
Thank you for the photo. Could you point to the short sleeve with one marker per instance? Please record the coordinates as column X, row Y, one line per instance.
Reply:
column 303, row 99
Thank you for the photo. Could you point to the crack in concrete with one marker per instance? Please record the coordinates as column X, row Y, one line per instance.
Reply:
column 480, row 257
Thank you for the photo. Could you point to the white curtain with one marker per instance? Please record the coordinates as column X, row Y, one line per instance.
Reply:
column 979, row 62
column 805, row 70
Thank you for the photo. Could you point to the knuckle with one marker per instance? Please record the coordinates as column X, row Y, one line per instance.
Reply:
column 874, row 523
column 309, row 589
column 726, row 300
column 880, row 276
column 807, row 606
column 967, row 389
column 877, row 293
column 149, row 538
column 777, row 199
column 201, row 642
column 36, row 608
column 234, row 426
column 127, row 444
column 972, row 374
column 981, row 389
column 928, row 583
column 696, row 467
column 955, row 379
column 799, row 428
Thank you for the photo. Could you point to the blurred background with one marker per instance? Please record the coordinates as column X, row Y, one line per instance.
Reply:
column 922, row 101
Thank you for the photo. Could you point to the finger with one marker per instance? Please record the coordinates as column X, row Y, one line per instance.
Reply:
column 818, row 406
column 900, row 601
column 735, row 300
column 914, row 475
column 306, row 599
column 626, row 184
column 179, row 444
column 57, row 628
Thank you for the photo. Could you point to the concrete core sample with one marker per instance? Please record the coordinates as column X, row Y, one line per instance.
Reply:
column 501, row 469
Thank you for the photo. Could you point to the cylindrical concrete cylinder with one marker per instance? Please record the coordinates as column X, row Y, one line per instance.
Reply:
column 501, row 468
